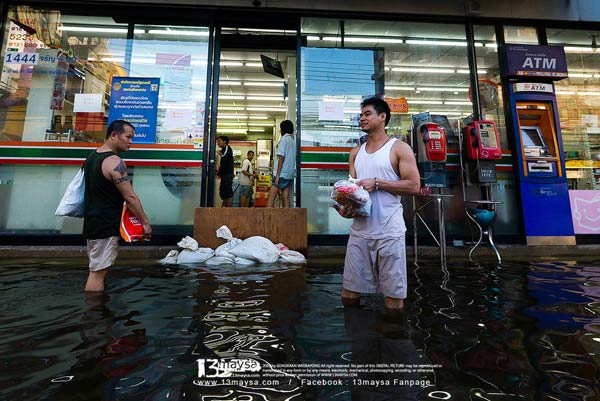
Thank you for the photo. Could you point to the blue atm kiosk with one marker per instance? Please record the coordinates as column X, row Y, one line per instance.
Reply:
column 529, row 72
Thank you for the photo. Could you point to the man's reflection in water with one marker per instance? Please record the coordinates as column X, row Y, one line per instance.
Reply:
column 379, row 339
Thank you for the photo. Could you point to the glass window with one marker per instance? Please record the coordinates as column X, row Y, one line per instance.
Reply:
column 520, row 34
column 418, row 66
column 578, row 100
column 56, row 85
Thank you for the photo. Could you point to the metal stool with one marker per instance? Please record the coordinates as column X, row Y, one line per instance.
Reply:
column 484, row 219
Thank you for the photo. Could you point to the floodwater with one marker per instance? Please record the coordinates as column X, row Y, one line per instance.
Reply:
column 528, row 331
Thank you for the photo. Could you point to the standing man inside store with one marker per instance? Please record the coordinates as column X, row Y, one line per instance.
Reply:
column 247, row 180
column 376, row 253
column 107, row 185
column 225, row 171
column 284, row 169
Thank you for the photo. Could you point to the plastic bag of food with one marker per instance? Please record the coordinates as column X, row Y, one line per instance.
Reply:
column 347, row 194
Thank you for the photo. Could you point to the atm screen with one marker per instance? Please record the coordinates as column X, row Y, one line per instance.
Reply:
column 532, row 137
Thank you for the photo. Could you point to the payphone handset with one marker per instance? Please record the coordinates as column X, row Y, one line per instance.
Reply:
column 483, row 141
column 432, row 143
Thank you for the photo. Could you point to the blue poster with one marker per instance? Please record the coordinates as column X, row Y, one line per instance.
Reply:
column 135, row 100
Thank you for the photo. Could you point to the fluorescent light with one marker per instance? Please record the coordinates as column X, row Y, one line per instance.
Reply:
column 448, row 113
column 65, row 28
column 232, row 108
column 256, row 130
column 577, row 49
column 251, row 64
column 435, row 42
column 445, row 89
column 456, row 102
column 256, row 83
column 264, row 98
column 579, row 75
column 266, row 108
column 427, row 70
column 425, row 102
column 231, row 97
column 177, row 32
column 260, row 124
column 229, row 83
column 468, row 71
column 232, row 130
column 257, row 117
column 232, row 63
column 354, row 39
column 566, row 92
column 399, row 88
column 494, row 45
column 238, row 116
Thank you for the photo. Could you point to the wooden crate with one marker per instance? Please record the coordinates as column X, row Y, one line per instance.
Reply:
column 285, row 225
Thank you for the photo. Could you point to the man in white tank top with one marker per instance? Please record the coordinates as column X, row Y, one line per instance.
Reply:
column 376, row 255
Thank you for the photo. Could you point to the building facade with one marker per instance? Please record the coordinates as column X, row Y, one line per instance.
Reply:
column 191, row 71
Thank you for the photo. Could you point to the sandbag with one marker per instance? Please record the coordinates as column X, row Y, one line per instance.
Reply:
column 257, row 248
column 224, row 249
column 171, row 258
column 188, row 242
column 293, row 257
column 219, row 260
column 198, row 256
column 244, row 262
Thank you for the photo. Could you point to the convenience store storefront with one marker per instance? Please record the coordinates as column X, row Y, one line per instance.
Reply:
column 57, row 92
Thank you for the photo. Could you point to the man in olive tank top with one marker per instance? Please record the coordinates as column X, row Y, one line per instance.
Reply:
column 107, row 185
column 386, row 168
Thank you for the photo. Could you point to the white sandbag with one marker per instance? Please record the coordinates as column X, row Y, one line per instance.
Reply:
column 257, row 248
column 171, row 258
column 224, row 249
column 225, row 233
column 293, row 257
column 244, row 262
column 188, row 242
column 219, row 260
column 197, row 256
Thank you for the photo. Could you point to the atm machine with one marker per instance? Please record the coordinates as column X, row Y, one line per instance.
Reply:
column 528, row 75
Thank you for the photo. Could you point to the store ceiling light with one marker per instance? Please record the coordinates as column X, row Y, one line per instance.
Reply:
column 234, row 116
column 577, row 49
column 66, row 28
column 260, row 124
column 267, row 108
column 264, row 98
column 232, row 108
column 256, row 130
column 177, row 32
column 458, row 103
column 231, row 97
column 435, row 42
column 257, row 83
column 425, row 70
column 442, row 89
column 232, row 131
column 465, row 71
column 425, row 102
column 232, row 63
column 579, row 75
column 228, row 83
column 399, row 88
column 257, row 117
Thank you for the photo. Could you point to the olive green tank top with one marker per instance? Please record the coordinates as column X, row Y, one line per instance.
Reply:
column 103, row 201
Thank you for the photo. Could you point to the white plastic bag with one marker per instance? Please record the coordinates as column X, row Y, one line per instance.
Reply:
column 257, row 248
column 188, row 242
column 293, row 257
column 171, row 258
column 198, row 256
column 223, row 250
column 219, row 260
column 71, row 203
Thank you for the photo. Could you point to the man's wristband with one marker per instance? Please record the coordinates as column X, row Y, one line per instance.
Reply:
column 376, row 184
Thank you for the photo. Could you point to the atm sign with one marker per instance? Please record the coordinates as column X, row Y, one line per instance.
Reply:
column 533, row 87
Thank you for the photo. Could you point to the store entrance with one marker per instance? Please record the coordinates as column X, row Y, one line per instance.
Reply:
column 256, row 92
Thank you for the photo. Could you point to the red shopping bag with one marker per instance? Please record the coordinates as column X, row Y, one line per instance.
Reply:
column 131, row 227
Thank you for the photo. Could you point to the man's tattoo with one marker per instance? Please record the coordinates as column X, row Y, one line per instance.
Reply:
column 122, row 179
column 121, row 169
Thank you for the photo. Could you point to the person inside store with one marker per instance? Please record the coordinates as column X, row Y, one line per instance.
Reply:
column 225, row 171
column 284, row 168
column 376, row 255
column 247, row 180
column 107, row 186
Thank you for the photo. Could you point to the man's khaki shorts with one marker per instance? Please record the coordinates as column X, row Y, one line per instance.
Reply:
column 102, row 252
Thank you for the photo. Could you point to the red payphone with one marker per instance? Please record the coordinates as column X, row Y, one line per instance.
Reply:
column 482, row 141
column 434, row 141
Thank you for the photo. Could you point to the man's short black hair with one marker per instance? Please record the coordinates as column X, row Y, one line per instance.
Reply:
column 250, row 151
column 224, row 138
column 287, row 127
column 118, row 126
column 379, row 105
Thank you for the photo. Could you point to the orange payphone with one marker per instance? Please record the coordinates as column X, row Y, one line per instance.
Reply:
column 482, row 141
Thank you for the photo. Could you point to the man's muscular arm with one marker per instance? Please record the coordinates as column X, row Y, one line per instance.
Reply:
column 114, row 169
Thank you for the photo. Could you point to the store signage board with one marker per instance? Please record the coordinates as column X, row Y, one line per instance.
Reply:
column 537, row 61
column 136, row 101
column 533, row 87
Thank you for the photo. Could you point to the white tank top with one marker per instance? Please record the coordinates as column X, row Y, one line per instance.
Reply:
column 386, row 220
